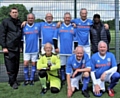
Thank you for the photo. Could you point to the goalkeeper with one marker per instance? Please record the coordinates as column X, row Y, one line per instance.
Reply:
column 48, row 66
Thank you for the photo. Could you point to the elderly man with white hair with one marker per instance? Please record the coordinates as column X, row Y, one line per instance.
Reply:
column 103, row 68
column 78, row 68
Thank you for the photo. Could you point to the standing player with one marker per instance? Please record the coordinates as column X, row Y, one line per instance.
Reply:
column 31, row 34
column 64, row 35
column 77, row 68
column 104, row 68
column 47, row 31
column 83, row 30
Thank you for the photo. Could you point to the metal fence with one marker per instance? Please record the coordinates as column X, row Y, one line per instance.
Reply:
column 108, row 9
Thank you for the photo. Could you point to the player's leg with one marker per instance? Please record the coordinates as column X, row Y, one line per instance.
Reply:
column 114, row 80
column 33, row 68
column 74, row 84
column 101, row 85
column 26, row 68
column 62, row 69
column 87, row 50
column 86, row 79
column 43, row 76
column 55, row 84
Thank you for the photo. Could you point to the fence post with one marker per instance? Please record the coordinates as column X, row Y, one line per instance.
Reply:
column 117, row 52
column 75, row 8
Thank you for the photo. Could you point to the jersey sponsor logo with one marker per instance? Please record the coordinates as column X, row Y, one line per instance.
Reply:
column 83, row 26
column 103, row 65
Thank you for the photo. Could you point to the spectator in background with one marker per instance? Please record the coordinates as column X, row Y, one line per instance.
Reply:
column 48, row 66
column 103, row 69
column 98, row 33
column 31, row 36
column 10, row 39
column 77, row 69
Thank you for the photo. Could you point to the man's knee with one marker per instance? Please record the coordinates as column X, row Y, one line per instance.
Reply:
column 86, row 74
column 54, row 90
column 42, row 73
column 116, row 75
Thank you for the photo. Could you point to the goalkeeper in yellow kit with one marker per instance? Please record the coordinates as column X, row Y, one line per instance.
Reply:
column 48, row 66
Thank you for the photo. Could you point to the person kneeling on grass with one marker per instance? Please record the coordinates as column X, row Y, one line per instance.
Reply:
column 48, row 66
column 104, row 69
column 78, row 68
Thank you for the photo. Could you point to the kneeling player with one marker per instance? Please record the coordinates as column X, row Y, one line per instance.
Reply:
column 104, row 69
column 78, row 67
column 48, row 66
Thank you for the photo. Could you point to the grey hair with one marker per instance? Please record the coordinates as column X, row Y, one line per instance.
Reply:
column 102, row 42
column 31, row 14
column 67, row 13
column 83, row 9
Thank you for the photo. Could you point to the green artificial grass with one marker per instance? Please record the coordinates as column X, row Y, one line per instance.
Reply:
column 34, row 92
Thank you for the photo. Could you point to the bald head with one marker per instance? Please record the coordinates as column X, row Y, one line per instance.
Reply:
column 30, row 18
column 48, row 49
column 79, row 48
column 79, row 52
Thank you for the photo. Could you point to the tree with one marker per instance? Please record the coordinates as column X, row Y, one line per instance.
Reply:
column 4, row 11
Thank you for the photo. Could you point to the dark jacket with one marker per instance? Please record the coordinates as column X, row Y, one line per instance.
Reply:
column 96, row 36
column 10, row 34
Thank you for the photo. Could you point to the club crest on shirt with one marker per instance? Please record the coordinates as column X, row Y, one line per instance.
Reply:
column 35, row 28
column 98, row 61
column 53, row 25
column 74, row 64
column 83, row 61
column 62, row 27
column 79, row 23
column 88, row 23
column 26, row 29
column 71, row 28
column 108, row 59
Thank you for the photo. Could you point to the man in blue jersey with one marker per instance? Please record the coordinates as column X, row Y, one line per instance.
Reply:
column 78, row 68
column 65, row 36
column 104, row 68
column 47, row 31
column 83, row 30
column 31, row 35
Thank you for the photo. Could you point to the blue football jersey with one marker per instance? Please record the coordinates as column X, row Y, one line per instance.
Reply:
column 83, row 31
column 65, row 35
column 73, row 64
column 99, row 65
column 31, row 35
column 47, row 32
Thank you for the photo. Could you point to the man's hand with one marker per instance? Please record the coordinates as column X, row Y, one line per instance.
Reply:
column 57, row 50
column 106, row 26
column 5, row 50
column 74, row 25
column 97, row 89
column 23, row 23
column 76, row 71
column 58, row 24
column 69, row 92
column 102, row 78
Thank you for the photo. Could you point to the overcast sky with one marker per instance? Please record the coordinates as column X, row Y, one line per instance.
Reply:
column 58, row 7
